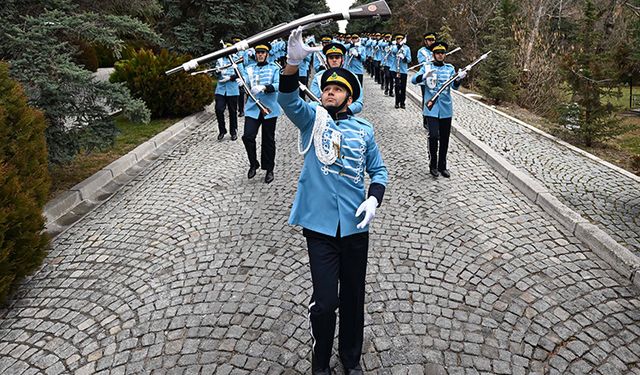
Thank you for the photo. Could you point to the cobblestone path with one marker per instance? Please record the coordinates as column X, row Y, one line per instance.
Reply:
column 600, row 194
column 192, row 269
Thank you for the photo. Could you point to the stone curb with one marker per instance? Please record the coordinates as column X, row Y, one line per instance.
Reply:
column 616, row 255
column 98, row 187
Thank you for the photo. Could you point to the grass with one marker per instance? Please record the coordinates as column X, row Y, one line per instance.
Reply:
column 621, row 100
column 86, row 164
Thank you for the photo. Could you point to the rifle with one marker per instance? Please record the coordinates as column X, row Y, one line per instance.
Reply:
column 431, row 102
column 447, row 54
column 218, row 69
column 375, row 9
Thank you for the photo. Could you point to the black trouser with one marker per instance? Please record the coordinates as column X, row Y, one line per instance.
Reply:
column 371, row 67
column 336, row 260
column 388, row 82
column 401, row 88
column 439, row 132
column 377, row 69
column 230, row 102
column 361, row 78
column 241, row 102
column 424, row 118
column 268, row 149
column 304, row 80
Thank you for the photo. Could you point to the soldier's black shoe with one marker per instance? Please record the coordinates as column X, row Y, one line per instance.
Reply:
column 391, row 94
column 353, row 371
column 434, row 172
column 445, row 173
column 241, row 114
column 252, row 173
column 220, row 136
column 402, row 105
column 268, row 178
column 325, row 371
column 397, row 106
column 234, row 137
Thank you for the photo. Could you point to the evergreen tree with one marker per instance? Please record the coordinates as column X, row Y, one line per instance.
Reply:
column 588, row 70
column 497, row 75
column 40, row 45
column 24, row 185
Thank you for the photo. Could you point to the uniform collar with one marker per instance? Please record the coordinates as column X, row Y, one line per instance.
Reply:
column 438, row 63
column 341, row 116
column 265, row 62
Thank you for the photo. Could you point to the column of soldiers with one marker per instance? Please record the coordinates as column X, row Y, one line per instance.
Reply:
column 275, row 77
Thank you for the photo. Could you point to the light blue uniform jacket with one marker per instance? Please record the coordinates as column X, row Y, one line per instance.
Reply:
column 268, row 74
column 355, row 107
column 231, row 87
column 356, row 62
column 329, row 195
column 403, row 63
column 443, row 107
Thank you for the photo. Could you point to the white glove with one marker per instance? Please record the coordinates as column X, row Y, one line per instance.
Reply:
column 224, row 79
column 401, row 56
column 255, row 90
column 369, row 208
column 239, row 80
column 296, row 49
column 190, row 65
column 428, row 72
column 461, row 74
column 354, row 52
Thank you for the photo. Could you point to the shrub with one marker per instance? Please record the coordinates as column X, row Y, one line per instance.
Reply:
column 176, row 95
column 24, row 184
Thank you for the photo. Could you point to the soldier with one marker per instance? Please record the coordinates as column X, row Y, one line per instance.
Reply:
column 438, row 118
column 328, row 203
column 402, row 58
column 227, row 94
column 263, row 79
column 355, row 58
column 334, row 53
column 388, row 64
column 425, row 55
column 377, row 58
column 318, row 61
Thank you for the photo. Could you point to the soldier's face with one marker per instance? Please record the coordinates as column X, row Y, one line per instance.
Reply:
column 429, row 42
column 334, row 60
column 439, row 56
column 261, row 56
column 334, row 95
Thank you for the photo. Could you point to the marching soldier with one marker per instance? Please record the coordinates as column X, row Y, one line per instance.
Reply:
column 438, row 118
column 227, row 94
column 318, row 60
column 329, row 203
column 377, row 58
column 387, row 63
column 425, row 55
column 402, row 58
column 263, row 78
column 334, row 53
column 355, row 58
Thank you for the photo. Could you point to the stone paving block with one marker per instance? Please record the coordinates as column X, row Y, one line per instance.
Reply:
column 615, row 254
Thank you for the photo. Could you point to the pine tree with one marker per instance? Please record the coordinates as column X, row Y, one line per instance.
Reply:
column 41, row 46
column 497, row 75
column 588, row 69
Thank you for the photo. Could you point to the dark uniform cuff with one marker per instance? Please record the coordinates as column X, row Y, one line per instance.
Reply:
column 269, row 88
column 419, row 78
column 233, row 77
column 288, row 83
column 376, row 190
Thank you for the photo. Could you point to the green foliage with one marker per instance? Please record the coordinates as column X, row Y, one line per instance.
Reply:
column 24, row 185
column 588, row 70
column 175, row 95
column 42, row 47
column 498, row 75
